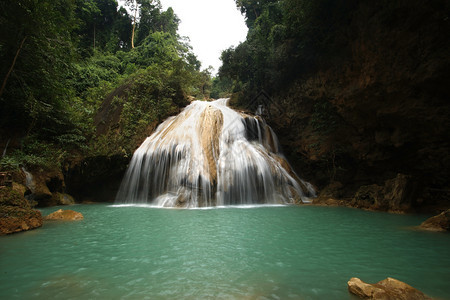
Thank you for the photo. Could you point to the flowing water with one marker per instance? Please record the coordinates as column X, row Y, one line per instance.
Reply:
column 211, row 155
column 265, row 252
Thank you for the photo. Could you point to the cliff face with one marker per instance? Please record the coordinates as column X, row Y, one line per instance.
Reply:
column 382, row 110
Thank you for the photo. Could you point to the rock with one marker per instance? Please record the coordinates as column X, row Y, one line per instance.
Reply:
column 62, row 199
column 209, row 137
column 328, row 201
column 16, row 213
column 64, row 215
column 369, row 197
column 387, row 289
column 440, row 222
column 397, row 195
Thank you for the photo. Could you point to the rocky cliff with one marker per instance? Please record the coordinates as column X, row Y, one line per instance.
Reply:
column 381, row 110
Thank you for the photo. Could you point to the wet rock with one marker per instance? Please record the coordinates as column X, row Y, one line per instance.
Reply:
column 96, row 179
column 397, row 195
column 369, row 196
column 209, row 138
column 62, row 199
column 16, row 213
column 65, row 215
column 387, row 289
column 46, row 187
column 440, row 222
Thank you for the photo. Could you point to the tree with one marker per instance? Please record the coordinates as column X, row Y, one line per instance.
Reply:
column 36, row 50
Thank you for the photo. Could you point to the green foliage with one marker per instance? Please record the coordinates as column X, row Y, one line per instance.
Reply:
column 34, row 154
column 102, row 26
column 59, row 61
column 36, row 90
column 285, row 41
column 221, row 87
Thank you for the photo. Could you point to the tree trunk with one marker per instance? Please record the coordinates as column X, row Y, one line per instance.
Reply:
column 134, row 26
column 12, row 66
column 94, row 37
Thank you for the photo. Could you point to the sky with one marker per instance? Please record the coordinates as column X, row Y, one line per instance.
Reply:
column 211, row 26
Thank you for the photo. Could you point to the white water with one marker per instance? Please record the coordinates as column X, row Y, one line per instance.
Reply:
column 29, row 182
column 211, row 155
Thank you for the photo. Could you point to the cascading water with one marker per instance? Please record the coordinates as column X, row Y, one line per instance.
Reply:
column 211, row 155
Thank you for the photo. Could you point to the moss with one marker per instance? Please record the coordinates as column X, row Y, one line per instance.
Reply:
column 9, row 197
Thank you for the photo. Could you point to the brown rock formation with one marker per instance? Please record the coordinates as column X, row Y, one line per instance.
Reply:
column 379, row 109
column 396, row 195
column 65, row 215
column 440, row 222
column 209, row 136
column 387, row 289
column 45, row 187
column 16, row 213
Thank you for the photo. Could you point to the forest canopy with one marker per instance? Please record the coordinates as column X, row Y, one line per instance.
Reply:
column 61, row 58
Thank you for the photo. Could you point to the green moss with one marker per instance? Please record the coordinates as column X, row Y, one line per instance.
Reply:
column 9, row 197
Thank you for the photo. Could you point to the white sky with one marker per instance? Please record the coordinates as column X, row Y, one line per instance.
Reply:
column 211, row 25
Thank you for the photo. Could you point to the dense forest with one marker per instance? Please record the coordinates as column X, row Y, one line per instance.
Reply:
column 61, row 59
column 357, row 91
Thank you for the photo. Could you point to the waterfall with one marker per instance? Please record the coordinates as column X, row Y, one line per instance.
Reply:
column 29, row 182
column 211, row 155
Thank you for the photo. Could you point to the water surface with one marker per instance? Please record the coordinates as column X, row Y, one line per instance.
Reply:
column 286, row 252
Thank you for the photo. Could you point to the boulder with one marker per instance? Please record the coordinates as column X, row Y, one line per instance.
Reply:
column 16, row 213
column 396, row 195
column 64, row 215
column 387, row 289
column 440, row 222
column 62, row 199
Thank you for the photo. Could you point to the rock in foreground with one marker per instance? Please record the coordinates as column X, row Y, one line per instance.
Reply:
column 440, row 222
column 387, row 289
column 16, row 213
column 65, row 215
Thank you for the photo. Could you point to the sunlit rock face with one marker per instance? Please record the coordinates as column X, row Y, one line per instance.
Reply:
column 211, row 155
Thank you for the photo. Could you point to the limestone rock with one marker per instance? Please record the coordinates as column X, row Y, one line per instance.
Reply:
column 440, row 222
column 387, row 289
column 16, row 213
column 397, row 195
column 209, row 136
column 369, row 196
column 64, row 215
column 62, row 199
column 399, row 192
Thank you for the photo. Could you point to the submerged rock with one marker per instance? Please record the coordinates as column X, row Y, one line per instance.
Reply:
column 16, row 213
column 440, row 222
column 387, row 289
column 65, row 215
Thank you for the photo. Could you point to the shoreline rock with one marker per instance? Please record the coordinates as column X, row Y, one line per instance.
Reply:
column 16, row 214
column 64, row 215
column 387, row 289
column 440, row 222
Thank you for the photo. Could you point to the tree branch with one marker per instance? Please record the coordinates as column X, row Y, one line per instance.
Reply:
column 12, row 66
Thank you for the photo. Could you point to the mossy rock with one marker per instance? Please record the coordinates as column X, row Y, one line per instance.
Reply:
column 10, row 197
